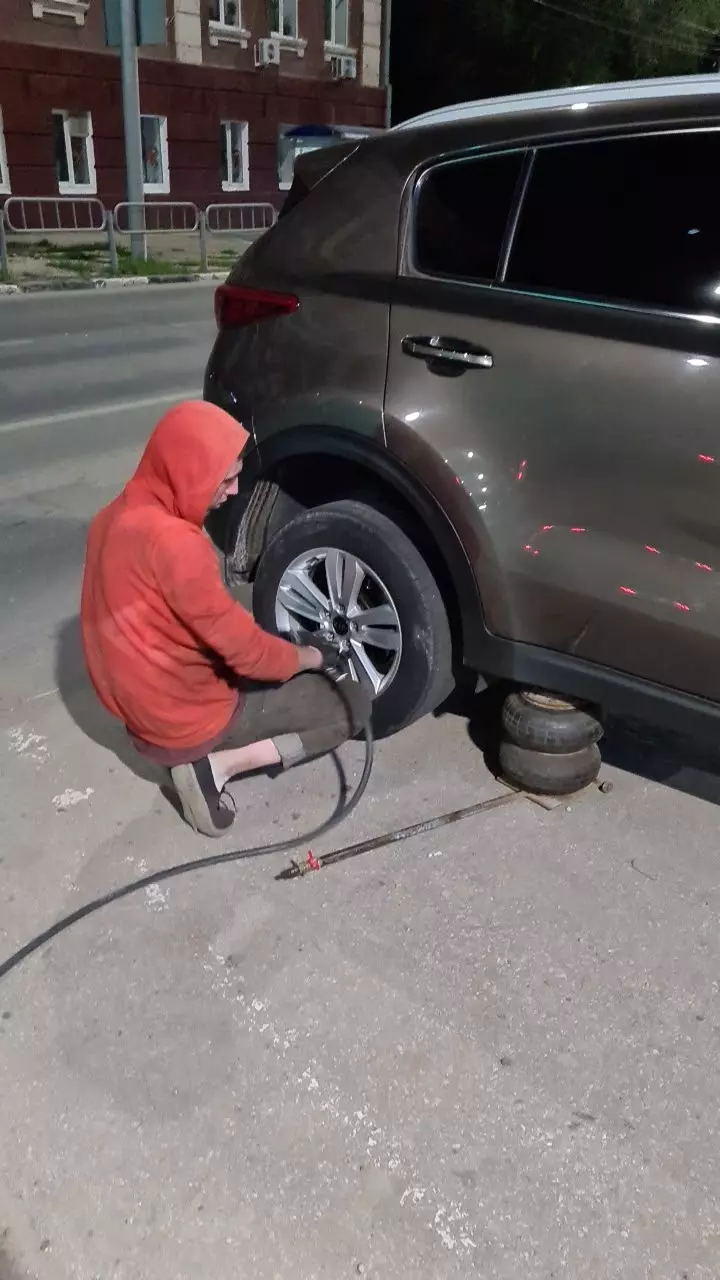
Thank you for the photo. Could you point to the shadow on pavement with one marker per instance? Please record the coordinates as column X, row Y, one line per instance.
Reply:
column 89, row 715
column 7, row 1269
column 658, row 754
column 649, row 751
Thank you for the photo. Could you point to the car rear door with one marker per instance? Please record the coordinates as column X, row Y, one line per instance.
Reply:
column 561, row 395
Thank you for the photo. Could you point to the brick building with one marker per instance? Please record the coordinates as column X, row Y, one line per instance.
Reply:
column 214, row 123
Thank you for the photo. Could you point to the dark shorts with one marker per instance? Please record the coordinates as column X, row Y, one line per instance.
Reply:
column 305, row 717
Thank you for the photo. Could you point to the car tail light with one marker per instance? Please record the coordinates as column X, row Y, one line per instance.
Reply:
column 236, row 306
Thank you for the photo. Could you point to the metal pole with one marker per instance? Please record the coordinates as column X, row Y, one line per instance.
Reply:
column 112, row 241
column 202, row 226
column 4, row 259
column 131, row 121
column 385, row 68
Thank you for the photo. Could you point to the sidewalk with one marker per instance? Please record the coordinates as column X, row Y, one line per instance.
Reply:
column 63, row 260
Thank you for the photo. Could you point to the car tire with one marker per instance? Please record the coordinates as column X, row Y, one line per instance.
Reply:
column 556, row 729
column 423, row 678
column 549, row 774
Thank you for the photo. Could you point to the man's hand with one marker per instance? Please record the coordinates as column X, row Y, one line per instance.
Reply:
column 310, row 658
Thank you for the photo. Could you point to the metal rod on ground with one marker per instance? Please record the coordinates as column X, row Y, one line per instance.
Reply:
column 311, row 863
column 133, row 133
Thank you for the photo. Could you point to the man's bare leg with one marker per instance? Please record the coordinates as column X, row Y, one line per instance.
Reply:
column 237, row 760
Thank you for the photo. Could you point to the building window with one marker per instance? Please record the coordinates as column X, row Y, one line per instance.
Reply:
column 226, row 13
column 74, row 153
column 290, row 147
column 156, row 172
column 283, row 18
column 337, row 23
column 225, row 23
column 234, row 168
column 4, row 171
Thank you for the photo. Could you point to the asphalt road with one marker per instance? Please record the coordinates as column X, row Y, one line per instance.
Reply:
column 493, row 1051
column 83, row 377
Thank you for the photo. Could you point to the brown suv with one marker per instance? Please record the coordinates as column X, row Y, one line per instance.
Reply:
column 479, row 358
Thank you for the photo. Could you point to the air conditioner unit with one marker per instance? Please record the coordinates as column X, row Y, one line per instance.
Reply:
column 344, row 67
column 267, row 53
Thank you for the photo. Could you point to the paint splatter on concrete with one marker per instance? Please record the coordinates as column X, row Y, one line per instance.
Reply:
column 33, row 746
column 156, row 898
column 69, row 797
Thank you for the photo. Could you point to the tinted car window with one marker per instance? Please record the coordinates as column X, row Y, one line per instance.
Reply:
column 461, row 213
column 634, row 220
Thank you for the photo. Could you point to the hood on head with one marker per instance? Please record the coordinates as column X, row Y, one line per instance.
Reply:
column 187, row 457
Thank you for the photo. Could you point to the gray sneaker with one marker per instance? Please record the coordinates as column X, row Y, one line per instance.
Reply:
column 203, row 806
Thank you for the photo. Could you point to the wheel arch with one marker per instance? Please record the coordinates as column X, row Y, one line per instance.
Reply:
column 310, row 466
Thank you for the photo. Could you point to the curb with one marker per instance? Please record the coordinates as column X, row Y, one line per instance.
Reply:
column 108, row 282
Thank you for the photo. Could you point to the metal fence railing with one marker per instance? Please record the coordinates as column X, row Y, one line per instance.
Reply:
column 233, row 219
column 157, row 217
column 53, row 215
column 75, row 215
column 58, row 213
column 228, row 219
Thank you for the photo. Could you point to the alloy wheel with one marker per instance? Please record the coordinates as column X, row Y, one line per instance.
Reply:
column 343, row 600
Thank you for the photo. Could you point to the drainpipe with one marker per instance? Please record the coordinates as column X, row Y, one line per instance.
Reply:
column 385, row 59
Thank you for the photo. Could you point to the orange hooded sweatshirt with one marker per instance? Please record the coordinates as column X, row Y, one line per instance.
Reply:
column 158, row 626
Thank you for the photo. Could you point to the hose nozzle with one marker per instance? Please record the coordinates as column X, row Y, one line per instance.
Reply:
column 335, row 664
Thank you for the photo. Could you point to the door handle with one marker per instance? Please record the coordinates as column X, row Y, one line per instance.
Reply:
column 452, row 350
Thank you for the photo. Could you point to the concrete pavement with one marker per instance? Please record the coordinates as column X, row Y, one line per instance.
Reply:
column 491, row 1052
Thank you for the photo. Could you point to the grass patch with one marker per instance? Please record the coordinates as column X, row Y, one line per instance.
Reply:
column 82, row 260
column 87, row 260
column 129, row 266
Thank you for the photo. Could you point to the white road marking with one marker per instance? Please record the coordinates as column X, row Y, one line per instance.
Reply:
column 16, row 342
column 99, row 410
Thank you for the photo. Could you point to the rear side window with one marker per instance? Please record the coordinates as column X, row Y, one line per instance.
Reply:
column 461, row 212
column 635, row 221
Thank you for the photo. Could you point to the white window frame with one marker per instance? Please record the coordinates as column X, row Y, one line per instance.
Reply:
column 300, row 147
column 222, row 30
column 293, row 43
column 159, row 188
column 75, row 9
column 292, row 7
column 5, row 188
column 333, row 46
column 227, row 127
column 71, row 187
